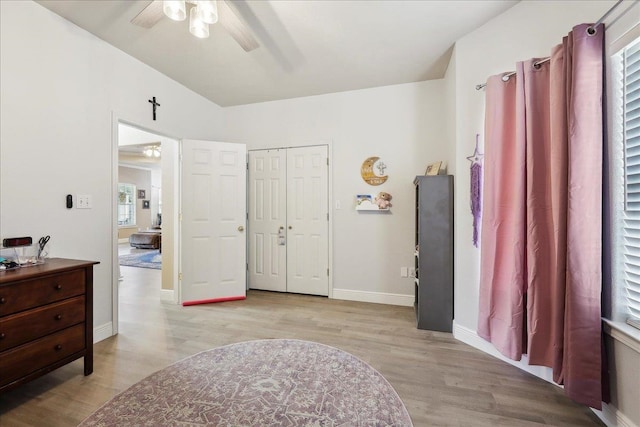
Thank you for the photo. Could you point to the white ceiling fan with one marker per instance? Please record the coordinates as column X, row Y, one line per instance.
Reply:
column 202, row 13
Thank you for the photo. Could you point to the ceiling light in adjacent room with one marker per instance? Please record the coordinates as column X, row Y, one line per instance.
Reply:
column 152, row 151
column 175, row 9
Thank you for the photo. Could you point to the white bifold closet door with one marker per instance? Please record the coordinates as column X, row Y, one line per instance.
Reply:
column 268, row 220
column 288, row 220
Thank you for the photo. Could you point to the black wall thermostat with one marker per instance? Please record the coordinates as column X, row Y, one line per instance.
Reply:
column 69, row 201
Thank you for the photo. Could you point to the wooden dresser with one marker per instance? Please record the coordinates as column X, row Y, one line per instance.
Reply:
column 46, row 319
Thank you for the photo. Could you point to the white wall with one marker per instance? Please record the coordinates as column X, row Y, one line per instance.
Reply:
column 404, row 126
column 450, row 109
column 60, row 86
column 529, row 29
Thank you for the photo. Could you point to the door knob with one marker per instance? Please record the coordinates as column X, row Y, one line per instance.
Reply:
column 240, row 228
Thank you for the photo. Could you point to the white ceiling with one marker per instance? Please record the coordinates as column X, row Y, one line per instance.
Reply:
column 307, row 47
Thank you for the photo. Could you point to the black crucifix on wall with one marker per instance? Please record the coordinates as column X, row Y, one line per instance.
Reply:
column 155, row 104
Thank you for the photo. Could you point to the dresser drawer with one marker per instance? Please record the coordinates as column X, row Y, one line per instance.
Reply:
column 29, row 325
column 28, row 358
column 20, row 296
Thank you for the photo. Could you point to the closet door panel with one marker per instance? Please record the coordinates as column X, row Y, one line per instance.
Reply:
column 307, row 220
column 267, row 220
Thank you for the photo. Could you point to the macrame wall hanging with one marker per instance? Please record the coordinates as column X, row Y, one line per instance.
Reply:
column 476, row 189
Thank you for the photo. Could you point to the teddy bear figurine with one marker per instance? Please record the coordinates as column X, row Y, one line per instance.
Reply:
column 383, row 200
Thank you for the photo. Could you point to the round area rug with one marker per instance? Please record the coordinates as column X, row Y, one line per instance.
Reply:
column 259, row 383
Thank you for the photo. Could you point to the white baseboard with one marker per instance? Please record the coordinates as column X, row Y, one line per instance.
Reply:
column 609, row 414
column 102, row 332
column 469, row 336
column 166, row 295
column 613, row 418
column 376, row 297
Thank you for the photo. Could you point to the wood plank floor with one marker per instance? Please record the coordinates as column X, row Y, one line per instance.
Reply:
column 442, row 382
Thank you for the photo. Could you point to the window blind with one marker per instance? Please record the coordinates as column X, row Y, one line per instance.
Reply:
column 631, row 217
column 126, row 204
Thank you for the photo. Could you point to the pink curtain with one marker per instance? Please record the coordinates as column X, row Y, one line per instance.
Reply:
column 540, row 280
column 503, row 218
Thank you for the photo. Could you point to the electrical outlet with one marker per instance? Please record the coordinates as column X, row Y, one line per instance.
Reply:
column 404, row 272
column 83, row 201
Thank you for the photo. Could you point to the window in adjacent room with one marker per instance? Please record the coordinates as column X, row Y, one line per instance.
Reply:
column 126, row 205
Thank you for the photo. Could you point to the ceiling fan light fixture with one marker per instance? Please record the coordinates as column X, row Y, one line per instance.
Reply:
column 209, row 11
column 175, row 9
column 197, row 26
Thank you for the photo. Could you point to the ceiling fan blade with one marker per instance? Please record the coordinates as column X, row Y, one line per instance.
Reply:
column 235, row 27
column 150, row 15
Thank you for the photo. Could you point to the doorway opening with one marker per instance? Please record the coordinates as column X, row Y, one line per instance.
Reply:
column 139, row 200
column 145, row 205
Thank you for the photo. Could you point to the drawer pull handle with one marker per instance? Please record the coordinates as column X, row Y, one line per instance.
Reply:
column 58, row 316
column 2, row 300
column 58, row 286
column 2, row 335
column 58, row 347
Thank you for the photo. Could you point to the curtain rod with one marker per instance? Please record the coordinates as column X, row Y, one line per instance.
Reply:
column 505, row 76
column 591, row 30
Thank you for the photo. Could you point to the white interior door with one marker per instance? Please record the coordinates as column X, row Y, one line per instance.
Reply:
column 267, row 220
column 307, row 220
column 213, row 257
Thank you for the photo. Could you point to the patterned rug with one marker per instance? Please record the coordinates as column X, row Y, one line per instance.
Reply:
column 259, row 383
column 146, row 259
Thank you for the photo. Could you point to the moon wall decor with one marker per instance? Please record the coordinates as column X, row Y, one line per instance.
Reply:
column 372, row 171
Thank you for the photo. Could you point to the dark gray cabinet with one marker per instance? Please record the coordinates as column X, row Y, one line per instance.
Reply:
column 434, row 252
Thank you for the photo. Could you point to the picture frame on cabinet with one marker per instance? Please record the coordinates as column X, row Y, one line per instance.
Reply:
column 433, row 169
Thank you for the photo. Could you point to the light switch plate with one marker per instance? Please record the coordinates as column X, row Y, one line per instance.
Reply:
column 83, row 201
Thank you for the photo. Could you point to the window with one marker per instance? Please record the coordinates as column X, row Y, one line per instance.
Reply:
column 126, row 205
column 627, row 90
